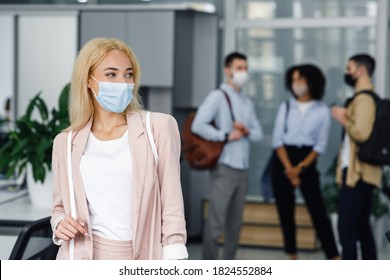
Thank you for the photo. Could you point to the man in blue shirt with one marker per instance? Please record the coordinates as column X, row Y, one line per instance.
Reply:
column 238, row 127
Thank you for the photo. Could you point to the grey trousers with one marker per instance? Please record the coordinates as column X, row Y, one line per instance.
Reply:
column 226, row 204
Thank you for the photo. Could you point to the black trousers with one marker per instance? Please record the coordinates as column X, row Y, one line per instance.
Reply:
column 311, row 192
column 354, row 220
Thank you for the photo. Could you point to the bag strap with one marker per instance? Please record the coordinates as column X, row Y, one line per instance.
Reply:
column 371, row 93
column 71, row 189
column 286, row 116
column 150, row 136
column 367, row 91
column 230, row 104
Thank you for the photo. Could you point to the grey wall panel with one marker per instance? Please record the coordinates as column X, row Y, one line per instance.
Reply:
column 183, row 59
column 200, row 189
column 195, row 76
column 151, row 36
column 195, row 58
column 204, row 74
column 160, row 100
column 102, row 24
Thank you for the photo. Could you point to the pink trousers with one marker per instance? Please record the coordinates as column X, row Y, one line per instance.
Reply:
column 108, row 249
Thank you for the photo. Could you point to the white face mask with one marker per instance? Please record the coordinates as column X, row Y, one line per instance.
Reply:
column 114, row 97
column 300, row 89
column 240, row 78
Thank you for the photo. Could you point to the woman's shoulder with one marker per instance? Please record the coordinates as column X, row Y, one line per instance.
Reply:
column 61, row 137
column 162, row 118
column 158, row 118
column 60, row 140
column 288, row 102
column 322, row 107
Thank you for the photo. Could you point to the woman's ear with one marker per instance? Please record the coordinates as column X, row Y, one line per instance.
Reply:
column 89, row 85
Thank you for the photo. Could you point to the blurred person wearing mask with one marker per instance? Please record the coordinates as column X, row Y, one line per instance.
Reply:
column 300, row 136
column 357, row 179
column 229, row 176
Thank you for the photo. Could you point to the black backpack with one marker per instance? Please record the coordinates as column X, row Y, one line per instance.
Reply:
column 376, row 150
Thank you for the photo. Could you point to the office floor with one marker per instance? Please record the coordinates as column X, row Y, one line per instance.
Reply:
column 256, row 253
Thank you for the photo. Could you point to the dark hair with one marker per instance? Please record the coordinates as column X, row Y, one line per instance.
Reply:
column 366, row 61
column 234, row 55
column 315, row 79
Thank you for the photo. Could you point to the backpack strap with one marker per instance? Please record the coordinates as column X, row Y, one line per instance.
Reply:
column 365, row 91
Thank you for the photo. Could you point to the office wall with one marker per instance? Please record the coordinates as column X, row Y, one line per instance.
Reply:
column 7, row 56
column 46, row 50
column 151, row 35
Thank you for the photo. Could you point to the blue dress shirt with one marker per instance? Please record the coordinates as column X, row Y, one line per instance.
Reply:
column 310, row 129
column 215, row 107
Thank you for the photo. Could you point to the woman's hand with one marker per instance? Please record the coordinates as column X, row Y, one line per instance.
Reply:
column 295, row 182
column 70, row 228
column 292, row 174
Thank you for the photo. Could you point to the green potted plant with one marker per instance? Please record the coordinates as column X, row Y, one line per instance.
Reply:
column 330, row 192
column 30, row 142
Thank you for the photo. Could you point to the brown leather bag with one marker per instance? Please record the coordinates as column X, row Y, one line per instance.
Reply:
column 200, row 153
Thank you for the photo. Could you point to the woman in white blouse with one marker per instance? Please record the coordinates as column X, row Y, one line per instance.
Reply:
column 300, row 136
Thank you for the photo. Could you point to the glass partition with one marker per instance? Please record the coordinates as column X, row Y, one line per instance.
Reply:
column 271, row 51
column 269, row 9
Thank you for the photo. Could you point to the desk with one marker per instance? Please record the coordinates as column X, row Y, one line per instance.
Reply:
column 9, row 182
column 8, row 196
column 20, row 212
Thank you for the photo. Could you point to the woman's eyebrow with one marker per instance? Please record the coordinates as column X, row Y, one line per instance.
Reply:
column 111, row 69
column 116, row 69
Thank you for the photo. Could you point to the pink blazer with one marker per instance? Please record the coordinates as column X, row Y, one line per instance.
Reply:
column 157, row 200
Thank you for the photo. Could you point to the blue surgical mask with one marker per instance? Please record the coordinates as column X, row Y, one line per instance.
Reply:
column 114, row 97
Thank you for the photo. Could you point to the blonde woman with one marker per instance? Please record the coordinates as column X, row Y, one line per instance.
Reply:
column 128, row 205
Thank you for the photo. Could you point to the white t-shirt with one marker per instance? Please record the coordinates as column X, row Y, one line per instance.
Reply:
column 106, row 170
column 345, row 151
column 304, row 106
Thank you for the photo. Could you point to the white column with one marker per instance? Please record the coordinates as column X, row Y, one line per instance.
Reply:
column 7, row 58
column 46, row 51
column 229, row 30
column 382, row 58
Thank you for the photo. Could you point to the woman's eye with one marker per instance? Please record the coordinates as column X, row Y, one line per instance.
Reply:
column 130, row 75
column 110, row 75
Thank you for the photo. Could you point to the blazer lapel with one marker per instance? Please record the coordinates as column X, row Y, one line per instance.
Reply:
column 80, row 139
column 139, row 152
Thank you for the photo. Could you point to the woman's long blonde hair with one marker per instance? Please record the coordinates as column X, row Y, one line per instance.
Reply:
column 81, row 108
